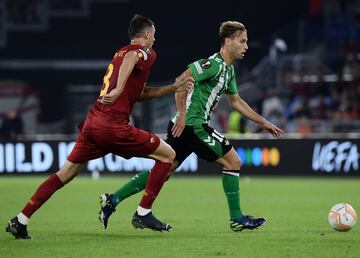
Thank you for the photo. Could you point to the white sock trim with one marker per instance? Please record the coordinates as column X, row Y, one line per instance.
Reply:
column 142, row 211
column 231, row 173
column 22, row 218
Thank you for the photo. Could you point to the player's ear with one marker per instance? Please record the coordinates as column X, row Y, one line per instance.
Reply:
column 227, row 41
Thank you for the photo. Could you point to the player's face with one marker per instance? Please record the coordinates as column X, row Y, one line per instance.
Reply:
column 150, row 37
column 239, row 45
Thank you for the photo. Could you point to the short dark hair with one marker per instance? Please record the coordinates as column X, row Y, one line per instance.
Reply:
column 229, row 29
column 137, row 25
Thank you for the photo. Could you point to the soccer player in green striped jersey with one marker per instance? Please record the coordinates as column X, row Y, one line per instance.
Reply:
column 189, row 129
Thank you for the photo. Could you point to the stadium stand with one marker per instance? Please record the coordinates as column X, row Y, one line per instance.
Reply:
column 306, row 78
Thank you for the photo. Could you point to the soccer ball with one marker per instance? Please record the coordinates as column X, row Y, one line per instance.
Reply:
column 342, row 217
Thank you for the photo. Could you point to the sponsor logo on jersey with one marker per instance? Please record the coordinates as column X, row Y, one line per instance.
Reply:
column 205, row 64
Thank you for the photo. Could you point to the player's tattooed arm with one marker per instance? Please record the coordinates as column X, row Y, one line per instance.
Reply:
column 179, row 125
column 180, row 99
column 130, row 60
column 241, row 106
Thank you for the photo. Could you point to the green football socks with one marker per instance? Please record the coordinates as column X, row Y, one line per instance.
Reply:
column 135, row 185
column 230, row 182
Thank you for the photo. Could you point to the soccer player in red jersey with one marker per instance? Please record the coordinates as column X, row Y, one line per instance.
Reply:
column 106, row 129
column 189, row 130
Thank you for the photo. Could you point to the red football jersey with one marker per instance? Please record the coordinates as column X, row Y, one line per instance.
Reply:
column 122, row 107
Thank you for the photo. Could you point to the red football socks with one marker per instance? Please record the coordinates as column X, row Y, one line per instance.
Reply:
column 156, row 179
column 42, row 194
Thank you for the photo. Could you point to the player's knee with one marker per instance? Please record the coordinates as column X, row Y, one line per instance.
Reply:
column 237, row 163
column 170, row 156
column 234, row 164
column 68, row 171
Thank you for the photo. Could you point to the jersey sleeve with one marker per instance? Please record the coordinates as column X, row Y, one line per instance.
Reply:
column 147, row 57
column 232, row 89
column 203, row 69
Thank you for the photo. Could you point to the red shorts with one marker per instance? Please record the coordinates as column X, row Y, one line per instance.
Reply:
column 96, row 140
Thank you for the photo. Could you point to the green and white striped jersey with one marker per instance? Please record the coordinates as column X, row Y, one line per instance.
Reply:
column 212, row 78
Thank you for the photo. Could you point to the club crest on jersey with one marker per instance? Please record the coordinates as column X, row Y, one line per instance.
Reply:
column 205, row 64
column 147, row 50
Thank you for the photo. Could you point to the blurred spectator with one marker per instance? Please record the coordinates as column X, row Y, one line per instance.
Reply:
column 303, row 126
column 236, row 123
column 272, row 103
column 320, row 107
column 219, row 119
column 12, row 126
column 300, row 87
column 342, row 113
column 277, row 118
column 299, row 107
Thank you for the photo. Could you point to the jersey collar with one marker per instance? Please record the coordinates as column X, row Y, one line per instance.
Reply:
column 218, row 55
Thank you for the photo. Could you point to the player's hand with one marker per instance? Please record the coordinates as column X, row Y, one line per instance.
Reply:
column 273, row 129
column 110, row 97
column 184, row 84
column 179, row 125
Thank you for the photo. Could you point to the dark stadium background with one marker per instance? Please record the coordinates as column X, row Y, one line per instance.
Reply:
column 186, row 30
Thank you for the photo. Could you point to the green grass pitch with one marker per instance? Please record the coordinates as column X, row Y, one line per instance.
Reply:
column 296, row 211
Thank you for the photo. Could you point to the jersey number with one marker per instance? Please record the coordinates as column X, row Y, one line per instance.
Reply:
column 106, row 80
column 218, row 136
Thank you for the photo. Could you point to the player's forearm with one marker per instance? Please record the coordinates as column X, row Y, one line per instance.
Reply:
column 242, row 107
column 155, row 92
column 180, row 99
column 185, row 79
